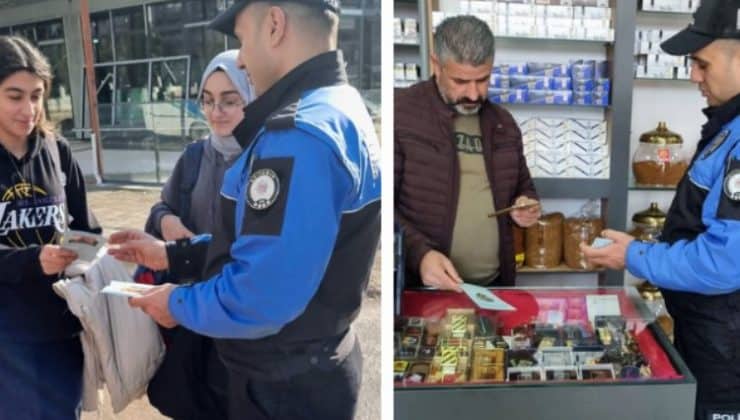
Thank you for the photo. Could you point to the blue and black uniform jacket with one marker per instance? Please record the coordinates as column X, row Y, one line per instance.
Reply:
column 305, row 196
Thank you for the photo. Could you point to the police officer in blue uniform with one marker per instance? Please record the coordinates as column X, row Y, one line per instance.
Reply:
column 696, row 263
column 303, row 203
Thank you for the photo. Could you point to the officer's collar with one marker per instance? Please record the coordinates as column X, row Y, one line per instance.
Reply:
column 719, row 116
column 327, row 69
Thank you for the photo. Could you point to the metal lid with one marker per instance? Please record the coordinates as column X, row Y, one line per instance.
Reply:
column 661, row 135
column 648, row 291
column 651, row 217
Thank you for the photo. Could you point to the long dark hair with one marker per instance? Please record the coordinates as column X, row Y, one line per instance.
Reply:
column 17, row 54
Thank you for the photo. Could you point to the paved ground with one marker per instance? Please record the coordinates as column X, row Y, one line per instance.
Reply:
column 118, row 209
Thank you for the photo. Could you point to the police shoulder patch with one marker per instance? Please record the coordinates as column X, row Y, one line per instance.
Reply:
column 263, row 189
column 266, row 196
column 731, row 185
column 729, row 202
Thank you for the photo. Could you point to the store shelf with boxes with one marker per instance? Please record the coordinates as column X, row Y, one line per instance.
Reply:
column 562, row 70
column 579, row 353
column 409, row 45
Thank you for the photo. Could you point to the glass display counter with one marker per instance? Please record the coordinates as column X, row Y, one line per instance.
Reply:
column 559, row 354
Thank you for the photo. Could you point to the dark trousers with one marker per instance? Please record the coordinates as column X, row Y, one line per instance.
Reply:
column 191, row 383
column 41, row 381
column 712, row 353
column 326, row 394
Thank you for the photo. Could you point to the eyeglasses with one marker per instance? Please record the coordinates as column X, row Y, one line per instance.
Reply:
column 227, row 106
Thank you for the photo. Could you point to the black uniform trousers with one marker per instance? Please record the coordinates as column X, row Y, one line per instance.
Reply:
column 319, row 393
column 710, row 346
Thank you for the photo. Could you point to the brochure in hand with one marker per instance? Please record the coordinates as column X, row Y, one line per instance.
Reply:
column 87, row 245
column 126, row 289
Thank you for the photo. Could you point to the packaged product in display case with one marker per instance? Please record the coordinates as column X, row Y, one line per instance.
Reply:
column 544, row 242
column 558, row 346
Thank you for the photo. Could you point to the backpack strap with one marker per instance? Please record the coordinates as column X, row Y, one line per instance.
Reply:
column 191, row 160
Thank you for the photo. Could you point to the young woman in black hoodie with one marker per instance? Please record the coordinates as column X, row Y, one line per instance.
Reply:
column 42, row 193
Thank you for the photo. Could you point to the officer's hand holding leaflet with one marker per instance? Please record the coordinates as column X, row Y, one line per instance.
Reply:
column 138, row 247
column 141, row 248
column 610, row 256
column 154, row 303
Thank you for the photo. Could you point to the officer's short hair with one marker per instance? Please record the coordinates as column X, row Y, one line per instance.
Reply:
column 319, row 21
column 464, row 39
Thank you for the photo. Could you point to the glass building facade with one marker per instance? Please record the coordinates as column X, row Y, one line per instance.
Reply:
column 149, row 59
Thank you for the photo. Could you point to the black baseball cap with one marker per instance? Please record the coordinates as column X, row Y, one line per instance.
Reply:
column 714, row 19
column 225, row 22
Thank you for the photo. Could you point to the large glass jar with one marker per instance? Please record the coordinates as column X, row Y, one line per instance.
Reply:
column 648, row 223
column 659, row 159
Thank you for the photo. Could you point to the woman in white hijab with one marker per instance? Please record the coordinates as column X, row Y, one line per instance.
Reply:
column 191, row 383
column 225, row 91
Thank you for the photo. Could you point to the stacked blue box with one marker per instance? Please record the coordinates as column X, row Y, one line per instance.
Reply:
column 591, row 85
column 530, row 82
column 581, row 82
column 500, row 81
column 561, row 83
column 550, row 97
column 510, row 69
column 592, row 98
column 507, row 96
column 549, row 69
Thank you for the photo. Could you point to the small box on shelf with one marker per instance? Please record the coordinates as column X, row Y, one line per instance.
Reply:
column 672, row 6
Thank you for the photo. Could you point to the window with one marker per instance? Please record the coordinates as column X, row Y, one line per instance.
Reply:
column 131, row 91
column 60, row 100
column 130, row 33
column 204, row 45
column 200, row 10
column 166, row 22
column 101, row 37
column 47, row 31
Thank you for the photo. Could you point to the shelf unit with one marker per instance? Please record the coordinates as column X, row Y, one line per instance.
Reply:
column 411, row 52
column 657, row 79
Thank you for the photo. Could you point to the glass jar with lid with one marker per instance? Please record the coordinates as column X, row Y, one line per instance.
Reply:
column 659, row 160
column 648, row 224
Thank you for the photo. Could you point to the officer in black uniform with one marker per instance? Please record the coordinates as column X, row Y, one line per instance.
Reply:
column 303, row 205
column 696, row 261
